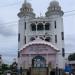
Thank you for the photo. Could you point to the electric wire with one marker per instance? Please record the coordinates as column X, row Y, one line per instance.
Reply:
column 20, row 2
column 9, row 5
column 69, row 11
column 16, row 22
column 11, row 55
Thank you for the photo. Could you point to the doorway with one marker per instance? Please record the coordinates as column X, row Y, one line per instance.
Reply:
column 38, row 61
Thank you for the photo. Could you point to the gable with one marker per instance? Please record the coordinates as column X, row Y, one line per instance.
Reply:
column 38, row 49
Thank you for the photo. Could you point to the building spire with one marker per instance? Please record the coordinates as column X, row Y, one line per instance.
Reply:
column 25, row 1
column 54, row 0
column 26, row 10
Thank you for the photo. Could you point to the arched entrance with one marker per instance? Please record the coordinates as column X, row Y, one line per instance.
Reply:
column 39, row 61
column 52, row 72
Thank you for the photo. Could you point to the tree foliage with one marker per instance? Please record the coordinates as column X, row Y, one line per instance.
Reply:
column 3, row 68
column 13, row 68
column 71, row 57
column 6, row 67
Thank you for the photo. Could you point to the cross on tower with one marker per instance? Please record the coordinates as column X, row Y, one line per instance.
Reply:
column 25, row 1
column 54, row 0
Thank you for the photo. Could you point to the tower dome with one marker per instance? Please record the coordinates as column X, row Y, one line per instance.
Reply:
column 26, row 10
column 54, row 3
column 54, row 9
column 26, row 4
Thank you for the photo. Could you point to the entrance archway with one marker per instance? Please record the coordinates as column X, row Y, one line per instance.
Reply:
column 39, row 61
column 52, row 73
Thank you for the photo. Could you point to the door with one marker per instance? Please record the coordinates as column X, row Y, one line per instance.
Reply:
column 39, row 61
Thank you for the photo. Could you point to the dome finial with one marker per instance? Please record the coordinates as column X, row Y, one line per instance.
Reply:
column 25, row 1
column 54, row 0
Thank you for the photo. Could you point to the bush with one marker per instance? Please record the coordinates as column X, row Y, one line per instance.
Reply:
column 71, row 57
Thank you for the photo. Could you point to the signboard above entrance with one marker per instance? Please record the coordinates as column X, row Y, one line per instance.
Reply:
column 38, row 48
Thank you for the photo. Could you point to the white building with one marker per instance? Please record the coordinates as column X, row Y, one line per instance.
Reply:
column 48, row 28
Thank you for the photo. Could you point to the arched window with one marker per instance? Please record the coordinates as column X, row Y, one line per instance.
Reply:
column 55, row 38
column 33, row 27
column 32, row 38
column 40, row 26
column 42, row 38
column 39, row 61
column 62, row 35
column 47, row 26
column 55, row 24
column 63, row 52
column 18, row 37
column 47, row 39
column 25, row 39
column 25, row 26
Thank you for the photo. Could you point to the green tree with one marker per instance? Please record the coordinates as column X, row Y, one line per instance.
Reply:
column 71, row 57
column 13, row 68
column 3, row 68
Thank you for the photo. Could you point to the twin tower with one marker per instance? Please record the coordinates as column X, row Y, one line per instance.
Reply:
column 48, row 28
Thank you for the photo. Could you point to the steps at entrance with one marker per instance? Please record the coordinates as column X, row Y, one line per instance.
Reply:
column 39, row 71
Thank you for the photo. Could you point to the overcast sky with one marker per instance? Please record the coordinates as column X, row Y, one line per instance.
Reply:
column 9, row 24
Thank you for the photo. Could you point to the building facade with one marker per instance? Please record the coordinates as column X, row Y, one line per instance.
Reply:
column 45, row 34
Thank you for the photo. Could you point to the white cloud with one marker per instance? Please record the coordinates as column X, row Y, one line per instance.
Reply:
column 8, row 30
column 8, row 34
column 70, row 43
column 8, row 48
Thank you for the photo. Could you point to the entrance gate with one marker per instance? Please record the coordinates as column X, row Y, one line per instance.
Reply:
column 38, row 66
column 38, row 62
